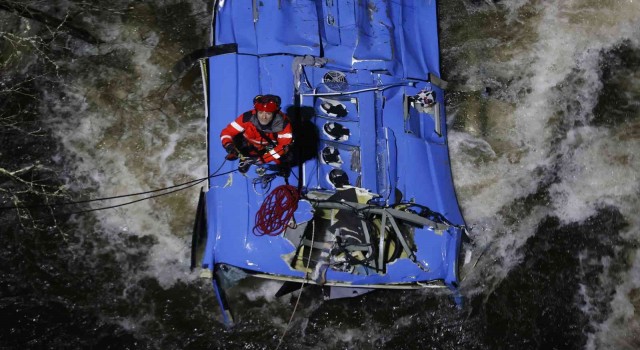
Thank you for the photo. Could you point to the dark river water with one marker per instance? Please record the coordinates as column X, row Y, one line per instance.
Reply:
column 544, row 126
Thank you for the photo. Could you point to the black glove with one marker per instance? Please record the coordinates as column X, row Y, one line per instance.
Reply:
column 232, row 154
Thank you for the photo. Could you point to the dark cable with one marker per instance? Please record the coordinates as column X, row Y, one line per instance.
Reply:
column 100, row 199
column 145, row 198
column 127, row 203
column 190, row 183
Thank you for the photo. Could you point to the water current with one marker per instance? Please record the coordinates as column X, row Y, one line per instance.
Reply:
column 544, row 132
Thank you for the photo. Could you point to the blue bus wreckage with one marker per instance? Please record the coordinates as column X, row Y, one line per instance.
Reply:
column 369, row 200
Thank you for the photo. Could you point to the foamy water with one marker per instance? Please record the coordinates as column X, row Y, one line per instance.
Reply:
column 551, row 143
column 128, row 132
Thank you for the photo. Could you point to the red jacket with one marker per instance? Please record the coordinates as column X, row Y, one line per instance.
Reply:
column 278, row 131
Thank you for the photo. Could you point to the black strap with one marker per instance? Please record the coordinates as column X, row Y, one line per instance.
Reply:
column 264, row 136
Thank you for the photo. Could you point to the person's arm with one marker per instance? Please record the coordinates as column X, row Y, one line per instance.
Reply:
column 230, row 131
column 285, row 137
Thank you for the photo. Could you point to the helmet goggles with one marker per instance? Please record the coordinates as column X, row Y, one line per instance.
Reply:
column 267, row 103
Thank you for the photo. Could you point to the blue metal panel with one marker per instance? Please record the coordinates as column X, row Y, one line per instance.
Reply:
column 237, row 244
column 287, row 27
column 416, row 33
column 432, row 251
column 398, row 36
column 429, row 180
column 387, row 165
column 340, row 28
column 443, row 183
column 231, row 91
column 232, row 22
column 414, row 177
column 274, row 78
column 393, row 111
column 271, row 27
column 367, row 113
column 374, row 50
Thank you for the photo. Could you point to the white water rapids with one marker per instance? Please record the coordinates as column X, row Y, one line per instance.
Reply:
column 546, row 68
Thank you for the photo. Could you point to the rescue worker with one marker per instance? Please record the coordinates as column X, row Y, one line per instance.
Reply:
column 263, row 133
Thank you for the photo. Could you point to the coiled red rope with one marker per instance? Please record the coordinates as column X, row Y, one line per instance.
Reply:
column 276, row 211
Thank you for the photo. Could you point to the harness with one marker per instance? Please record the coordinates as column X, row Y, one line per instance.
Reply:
column 249, row 116
column 264, row 136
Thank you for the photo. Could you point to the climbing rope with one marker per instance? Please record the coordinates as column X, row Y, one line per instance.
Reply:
column 276, row 211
